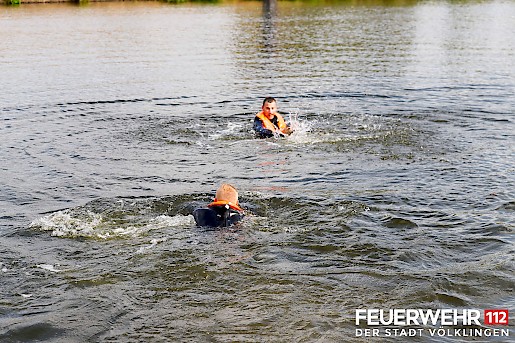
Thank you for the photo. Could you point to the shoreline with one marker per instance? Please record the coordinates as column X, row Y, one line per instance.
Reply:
column 20, row 2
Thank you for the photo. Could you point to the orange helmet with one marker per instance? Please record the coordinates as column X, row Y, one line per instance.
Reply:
column 227, row 192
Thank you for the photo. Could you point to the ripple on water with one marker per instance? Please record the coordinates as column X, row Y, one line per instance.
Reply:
column 34, row 331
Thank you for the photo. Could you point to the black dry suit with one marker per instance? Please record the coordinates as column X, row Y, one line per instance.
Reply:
column 218, row 214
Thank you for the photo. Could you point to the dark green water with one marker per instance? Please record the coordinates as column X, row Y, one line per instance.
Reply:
column 117, row 119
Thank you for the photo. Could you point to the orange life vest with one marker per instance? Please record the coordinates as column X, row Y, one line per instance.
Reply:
column 267, row 123
column 223, row 203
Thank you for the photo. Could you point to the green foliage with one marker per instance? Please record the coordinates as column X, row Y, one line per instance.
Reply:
column 183, row 1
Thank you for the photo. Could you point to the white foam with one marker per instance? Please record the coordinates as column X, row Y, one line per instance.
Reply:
column 93, row 225
column 232, row 129
column 304, row 132
column 152, row 244
column 49, row 267
column 64, row 224
column 290, row 229
column 159, row 222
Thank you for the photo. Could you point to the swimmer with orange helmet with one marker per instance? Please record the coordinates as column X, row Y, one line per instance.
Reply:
column 269, row 122
column 223, row 211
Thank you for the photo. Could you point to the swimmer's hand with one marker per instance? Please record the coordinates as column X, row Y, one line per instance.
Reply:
column 284, row 133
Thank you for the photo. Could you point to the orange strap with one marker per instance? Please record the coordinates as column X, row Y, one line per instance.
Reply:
column 223, row 203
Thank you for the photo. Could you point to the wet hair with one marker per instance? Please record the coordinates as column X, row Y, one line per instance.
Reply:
column 268, row 99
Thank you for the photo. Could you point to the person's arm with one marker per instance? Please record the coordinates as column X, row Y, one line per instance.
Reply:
column 283, row 127
column 260, row 130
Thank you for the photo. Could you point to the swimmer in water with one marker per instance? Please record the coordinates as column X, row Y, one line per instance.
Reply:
column 269, row 122
column 223, row 211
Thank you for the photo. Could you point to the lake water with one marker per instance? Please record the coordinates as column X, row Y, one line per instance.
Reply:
column 397, row 189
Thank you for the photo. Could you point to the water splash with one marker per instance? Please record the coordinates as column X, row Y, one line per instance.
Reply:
column 65, row 224
column 302, row 130
column 69, row 223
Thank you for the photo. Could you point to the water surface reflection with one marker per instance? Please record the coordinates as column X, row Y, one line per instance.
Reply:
column 117, row 119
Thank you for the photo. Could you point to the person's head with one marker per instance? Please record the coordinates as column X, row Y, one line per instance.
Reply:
column 227, row 192
column 269, row 107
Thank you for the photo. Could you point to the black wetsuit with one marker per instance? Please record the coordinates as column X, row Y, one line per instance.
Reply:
column 217, row 216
